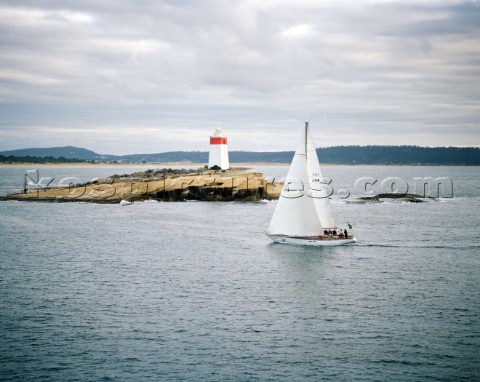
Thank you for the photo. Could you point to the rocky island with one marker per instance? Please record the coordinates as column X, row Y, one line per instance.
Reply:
column 162, row 185
column 411, row 198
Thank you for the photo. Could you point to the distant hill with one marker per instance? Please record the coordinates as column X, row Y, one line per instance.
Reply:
column 400, row 155
column 331, row 155
column 68, row 152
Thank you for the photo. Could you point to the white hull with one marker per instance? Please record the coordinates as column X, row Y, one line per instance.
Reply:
column 310, row 241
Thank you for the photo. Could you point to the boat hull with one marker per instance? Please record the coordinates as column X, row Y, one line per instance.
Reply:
column 314, row 242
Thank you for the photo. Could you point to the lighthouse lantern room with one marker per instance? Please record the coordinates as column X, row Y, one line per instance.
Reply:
column 218, row 150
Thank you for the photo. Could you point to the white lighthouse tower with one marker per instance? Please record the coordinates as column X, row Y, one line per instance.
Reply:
column 218, row 150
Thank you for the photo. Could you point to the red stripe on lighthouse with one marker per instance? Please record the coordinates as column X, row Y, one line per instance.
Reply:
column 218, row 140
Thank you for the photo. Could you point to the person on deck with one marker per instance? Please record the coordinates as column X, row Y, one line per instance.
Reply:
column 345, row 232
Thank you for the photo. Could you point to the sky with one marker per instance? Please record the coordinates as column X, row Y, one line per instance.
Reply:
column 148, row 76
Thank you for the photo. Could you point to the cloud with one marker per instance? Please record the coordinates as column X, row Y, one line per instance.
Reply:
column 371, row 71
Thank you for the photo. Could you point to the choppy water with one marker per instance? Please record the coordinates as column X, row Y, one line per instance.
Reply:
column 194, row 291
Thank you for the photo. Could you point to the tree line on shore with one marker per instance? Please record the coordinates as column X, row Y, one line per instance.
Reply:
column 11, row 159
column 402, row 155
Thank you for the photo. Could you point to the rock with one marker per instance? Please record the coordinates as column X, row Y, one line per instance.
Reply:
column 177, row 185
column 412, row 198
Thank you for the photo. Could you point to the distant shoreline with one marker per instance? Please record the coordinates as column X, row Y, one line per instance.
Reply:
column 200, row 165
column 336, row 155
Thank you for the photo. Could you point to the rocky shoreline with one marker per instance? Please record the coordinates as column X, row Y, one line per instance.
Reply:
column 411, row 198
column 162, row 185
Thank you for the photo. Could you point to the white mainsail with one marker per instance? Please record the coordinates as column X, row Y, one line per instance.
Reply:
column 296, row 212
column 320, row 190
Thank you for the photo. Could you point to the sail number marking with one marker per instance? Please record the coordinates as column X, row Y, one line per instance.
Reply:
column 320, row 186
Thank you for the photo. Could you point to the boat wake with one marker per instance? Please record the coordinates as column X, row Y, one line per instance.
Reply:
column 382, row 245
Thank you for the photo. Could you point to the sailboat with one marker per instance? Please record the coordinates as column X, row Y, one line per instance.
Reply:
column 303, row 215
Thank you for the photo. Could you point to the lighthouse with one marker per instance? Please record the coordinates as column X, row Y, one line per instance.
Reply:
column 218, row 150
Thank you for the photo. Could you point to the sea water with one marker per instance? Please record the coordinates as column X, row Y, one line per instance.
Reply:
column 195, row 291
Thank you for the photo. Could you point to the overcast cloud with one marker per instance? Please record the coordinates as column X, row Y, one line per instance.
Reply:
column 137, row 76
